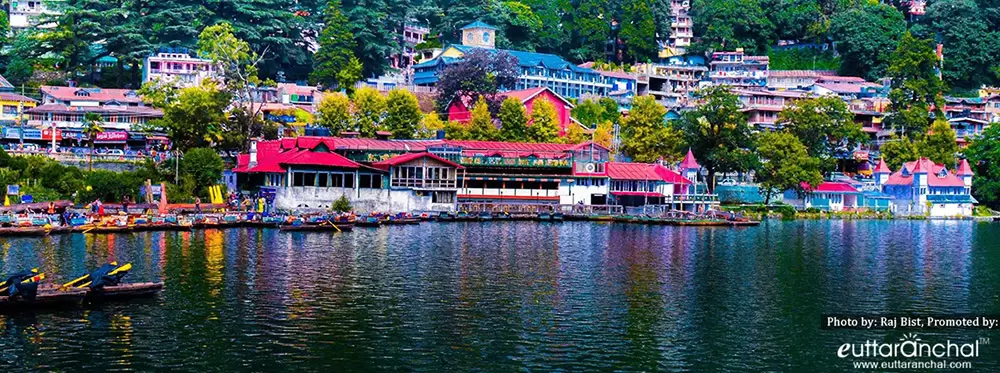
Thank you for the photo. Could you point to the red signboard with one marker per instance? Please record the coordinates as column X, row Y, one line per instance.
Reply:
column 112, row 136
column 47, row 134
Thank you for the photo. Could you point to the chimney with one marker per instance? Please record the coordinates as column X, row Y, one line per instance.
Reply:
column 253, row 153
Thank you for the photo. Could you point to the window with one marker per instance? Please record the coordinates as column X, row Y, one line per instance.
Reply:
column 297, row 179
column 486, row 37
column 309, row 179
column 324, row 180
column 468, row 36
column 442, row 197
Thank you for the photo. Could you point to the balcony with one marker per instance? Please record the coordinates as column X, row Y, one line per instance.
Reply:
column 509, row 193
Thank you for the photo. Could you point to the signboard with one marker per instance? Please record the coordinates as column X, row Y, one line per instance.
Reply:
column 136, row 137
column 32, row 134
column 111, row 136
column 514, row 162
column 26, row 198
column 47, row 134
column 13, row 190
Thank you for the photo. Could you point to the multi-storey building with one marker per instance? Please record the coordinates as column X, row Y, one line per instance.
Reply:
column 178, row 66
column 673, row 82
column 64, row 108
column 968, row 116
column 536, row 69
column 738, row 70
column 412, row 35
column 681, row 30
column 31, row 13
column 762, row 107
column 795, row 79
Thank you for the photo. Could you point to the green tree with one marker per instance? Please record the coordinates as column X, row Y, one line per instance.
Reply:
column 342, row 205
column 825, row 126
column 718, row 132
column 899, row 150
column 369, row 111
column 939, row 144
column 589, row 113
column 336, row 47
column 194, row 117
column 93, row 125
column 785, row 165
column 970, row 45
column 604, row 134
column 638, row 30
column 456, row 131
column 371, row 26
column 611, row 110
column 481, row 125
column 645, row 137
column 403, row 114
column 334, row 112
column 205, row 166
column 865, row 37
column 915, row 86
column 429, row 125
column 730, row 24
column 984, row 157
column 575, row 134
column 592, row 29
column 513, row 120
column 544, row 123
column 236, row 65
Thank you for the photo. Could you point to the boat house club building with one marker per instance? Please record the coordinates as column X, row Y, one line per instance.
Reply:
column 410, row 175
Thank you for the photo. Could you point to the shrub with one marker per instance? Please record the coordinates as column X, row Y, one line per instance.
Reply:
column 342, row 204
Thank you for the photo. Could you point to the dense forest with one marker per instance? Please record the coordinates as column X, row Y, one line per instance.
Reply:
column 864, row 32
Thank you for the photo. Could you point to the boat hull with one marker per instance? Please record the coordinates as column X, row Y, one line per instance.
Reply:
column 23, row 231
column 124, row 291
column 47, row 298
column 341, row 227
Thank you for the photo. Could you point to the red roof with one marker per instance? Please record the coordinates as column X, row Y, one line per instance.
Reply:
column 324, row 159
column 689, row 163
column 524, row 94
column 937, row 175
column 643, row 171
column 7, row 96
column 400, row 159
column 964, row 169
column 882, row 167
column 91, row 94
column 830, row 187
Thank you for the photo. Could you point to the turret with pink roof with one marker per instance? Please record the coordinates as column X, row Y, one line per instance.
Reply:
column 881, row 172
column 965, row 172
column 690, row 167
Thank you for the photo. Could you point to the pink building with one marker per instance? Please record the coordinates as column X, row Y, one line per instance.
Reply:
column 461, row 111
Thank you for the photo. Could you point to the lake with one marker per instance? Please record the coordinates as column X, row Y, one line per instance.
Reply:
column 505, row 296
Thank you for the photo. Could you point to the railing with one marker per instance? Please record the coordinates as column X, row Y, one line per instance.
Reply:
column 514, row 162
column 529, row 208
column 510, row 192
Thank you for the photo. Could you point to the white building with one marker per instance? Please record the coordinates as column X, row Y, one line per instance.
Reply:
column 31, row 13
column 177, row 66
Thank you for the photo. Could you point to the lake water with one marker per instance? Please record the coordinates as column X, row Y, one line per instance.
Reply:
column 505, row 296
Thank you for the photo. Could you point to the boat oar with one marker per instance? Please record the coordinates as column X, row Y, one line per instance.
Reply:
column 74, row 282
column 3, row 284
column 36, row 278
column 124, row 268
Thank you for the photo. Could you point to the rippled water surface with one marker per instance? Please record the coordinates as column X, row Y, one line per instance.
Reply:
column 503, row 296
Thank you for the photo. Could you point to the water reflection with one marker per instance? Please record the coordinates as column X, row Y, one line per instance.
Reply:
column 500, row 296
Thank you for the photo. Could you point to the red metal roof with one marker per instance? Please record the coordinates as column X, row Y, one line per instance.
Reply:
column 7, row 96
column 400, row 159
column 643, row 171
column 689, row 163
column 882, row 167
column 91, row 94
column 830, row 187
column 964, row 169
column 323, row 159
column 937, row 175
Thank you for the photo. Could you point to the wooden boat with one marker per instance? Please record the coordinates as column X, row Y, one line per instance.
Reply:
column 260, row 224
column 747, row 223
column 23, row 231
column 368, row 222
column 558, row 216
column 445, row 216
column 61, row 229
column 46, row 298
column 326, row 227
column 544, row 216
column 90, row 228
column 123, row 291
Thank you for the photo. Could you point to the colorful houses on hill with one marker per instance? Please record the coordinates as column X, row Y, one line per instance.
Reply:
column 407, row 175
column 536, row 69
column 461, row 111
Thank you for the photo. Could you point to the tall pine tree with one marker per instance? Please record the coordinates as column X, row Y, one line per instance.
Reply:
column 336, row 47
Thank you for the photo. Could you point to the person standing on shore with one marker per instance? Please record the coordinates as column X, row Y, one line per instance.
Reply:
column 197, row 204
column 125, row 202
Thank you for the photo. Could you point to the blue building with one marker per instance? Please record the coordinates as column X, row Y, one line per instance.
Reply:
column 536, row 69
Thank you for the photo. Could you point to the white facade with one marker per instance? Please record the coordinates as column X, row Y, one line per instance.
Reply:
column 179, row 68
column 22, row 14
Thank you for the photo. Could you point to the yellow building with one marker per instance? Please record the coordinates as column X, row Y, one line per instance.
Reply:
column 10, row 103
